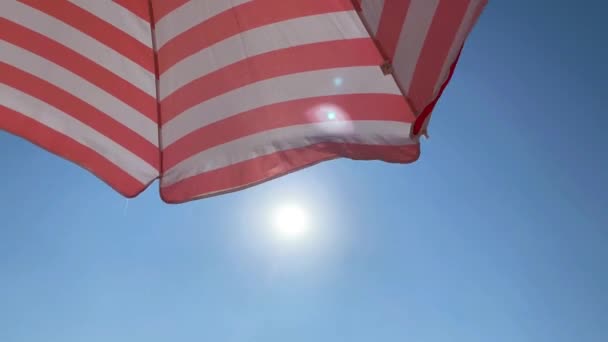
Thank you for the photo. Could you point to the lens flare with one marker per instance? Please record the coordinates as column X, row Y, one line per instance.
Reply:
column 332, row 119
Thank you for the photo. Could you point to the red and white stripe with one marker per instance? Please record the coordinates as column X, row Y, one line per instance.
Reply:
column 252, row 90
column 241, row 91
column 422, row 39
column 78, row 78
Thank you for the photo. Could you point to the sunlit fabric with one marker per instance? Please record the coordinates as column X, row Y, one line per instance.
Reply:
column 422, row 39
column 77, row 78
column 212, row 96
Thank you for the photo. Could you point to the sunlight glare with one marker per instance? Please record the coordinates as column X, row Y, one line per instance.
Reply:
column 291, row 222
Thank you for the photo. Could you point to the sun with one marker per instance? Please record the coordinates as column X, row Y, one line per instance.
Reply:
column 291, row 222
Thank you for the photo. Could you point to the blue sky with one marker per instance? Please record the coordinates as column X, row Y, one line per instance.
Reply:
column 496, row 234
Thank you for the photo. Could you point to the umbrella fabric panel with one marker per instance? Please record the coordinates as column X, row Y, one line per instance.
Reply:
column 77, row 78
column 422, row 39
column 252, row 90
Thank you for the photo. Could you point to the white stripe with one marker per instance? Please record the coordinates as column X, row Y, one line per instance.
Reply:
column 83, row 134
column 188, row 16
column 83, row 44
column 119, row 17
column 463, row 31
column 354, row 80
column 286, row 34
column 413, row 36
column 81, row 88
column 372, row 12
column 390, row 133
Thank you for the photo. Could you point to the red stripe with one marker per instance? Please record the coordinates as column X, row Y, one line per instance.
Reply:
column 391, row 24
column 66, row 147
column 239, row 19
column 140, row 8
column 164, row 7
column 384, row 107
column 97, row 29
column 255, row 171
column 342, row 53
column 79, row 65
column 81, row 111
column 440, row 38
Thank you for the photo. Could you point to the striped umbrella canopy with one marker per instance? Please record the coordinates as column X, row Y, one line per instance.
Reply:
column 212, row 96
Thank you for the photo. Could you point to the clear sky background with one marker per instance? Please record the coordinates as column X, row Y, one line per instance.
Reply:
column 498, row 233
